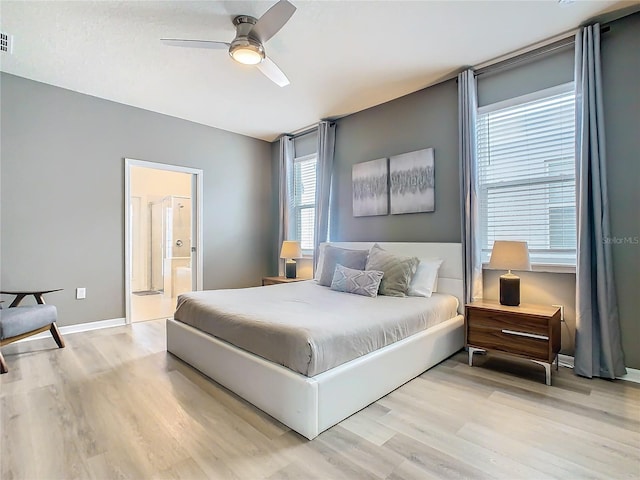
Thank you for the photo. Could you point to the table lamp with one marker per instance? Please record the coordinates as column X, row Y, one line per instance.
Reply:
column 290, row 251
column 510, row 255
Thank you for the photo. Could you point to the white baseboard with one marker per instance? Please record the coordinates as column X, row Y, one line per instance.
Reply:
column 565, row 360
column 80, row 327
column 633, row 374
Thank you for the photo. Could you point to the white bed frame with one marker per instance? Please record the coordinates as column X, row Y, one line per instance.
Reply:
column 310, row 405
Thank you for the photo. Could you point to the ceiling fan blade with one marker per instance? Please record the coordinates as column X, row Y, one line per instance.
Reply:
column 272, row 72
column 273, row 20
column 177, row 42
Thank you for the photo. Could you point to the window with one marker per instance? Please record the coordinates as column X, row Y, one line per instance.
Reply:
column 526, row 174
column 304, row 201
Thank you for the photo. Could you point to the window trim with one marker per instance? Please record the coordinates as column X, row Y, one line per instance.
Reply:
column 544, row 267
column 514, row 102
column 527, row 97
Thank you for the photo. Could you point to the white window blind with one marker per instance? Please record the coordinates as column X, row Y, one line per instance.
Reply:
column 304, row 200
column 526, row 174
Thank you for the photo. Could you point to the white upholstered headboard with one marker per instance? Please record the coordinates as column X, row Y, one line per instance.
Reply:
column 450, row 274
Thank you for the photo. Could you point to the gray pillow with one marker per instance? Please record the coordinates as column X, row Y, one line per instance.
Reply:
column 356, row 259
column 398, row 271
column 360, row 282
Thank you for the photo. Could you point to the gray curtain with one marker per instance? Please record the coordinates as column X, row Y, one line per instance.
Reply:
column 324, row 169
column 598, row 346
column 467, row 111
column 285, row 167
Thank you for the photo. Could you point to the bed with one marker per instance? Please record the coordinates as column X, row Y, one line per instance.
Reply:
column 311, row 386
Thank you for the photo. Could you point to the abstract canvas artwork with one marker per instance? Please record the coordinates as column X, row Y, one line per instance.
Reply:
column 412, row 182
column 370, row 188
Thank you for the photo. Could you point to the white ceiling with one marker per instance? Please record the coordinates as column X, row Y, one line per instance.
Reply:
column 341, row 57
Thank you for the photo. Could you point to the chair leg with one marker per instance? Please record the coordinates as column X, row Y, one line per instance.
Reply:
column 3, row 365
column 56, row 335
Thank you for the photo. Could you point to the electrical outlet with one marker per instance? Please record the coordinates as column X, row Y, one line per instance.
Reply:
column 81, row 293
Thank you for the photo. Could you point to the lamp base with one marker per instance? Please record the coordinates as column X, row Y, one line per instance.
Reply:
column 510, row 290
column 290, row 269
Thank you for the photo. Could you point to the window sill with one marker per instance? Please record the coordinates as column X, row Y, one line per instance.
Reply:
column 541, row 267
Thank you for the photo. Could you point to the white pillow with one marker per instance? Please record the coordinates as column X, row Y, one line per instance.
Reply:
column 320, row 253
column 425, row 280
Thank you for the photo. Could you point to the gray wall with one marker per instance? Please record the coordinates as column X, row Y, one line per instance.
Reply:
column 427, row 118
column 544, row 72
column 621, row 74
column 62, row 213
column 306, row 144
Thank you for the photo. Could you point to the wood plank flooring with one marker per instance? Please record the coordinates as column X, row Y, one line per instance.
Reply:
column 114, row 404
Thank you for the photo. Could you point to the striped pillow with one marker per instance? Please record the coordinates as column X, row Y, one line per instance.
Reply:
column 398, row 271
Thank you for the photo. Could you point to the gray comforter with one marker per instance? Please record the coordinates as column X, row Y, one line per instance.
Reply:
column 307, row 327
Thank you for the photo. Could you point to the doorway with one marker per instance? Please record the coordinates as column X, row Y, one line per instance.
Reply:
column 162, row 237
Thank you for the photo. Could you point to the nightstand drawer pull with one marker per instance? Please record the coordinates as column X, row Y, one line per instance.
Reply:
column 525, row 334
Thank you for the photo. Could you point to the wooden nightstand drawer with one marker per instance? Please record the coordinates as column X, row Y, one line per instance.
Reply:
column 508, row 321
column 527, row 331
column 516, row 342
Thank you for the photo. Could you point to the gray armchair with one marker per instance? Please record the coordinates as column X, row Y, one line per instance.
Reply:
column 20, row 322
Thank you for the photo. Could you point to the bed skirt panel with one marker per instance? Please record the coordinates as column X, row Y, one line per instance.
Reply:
column 311, row 405
column 282, row 393
column 341, row 393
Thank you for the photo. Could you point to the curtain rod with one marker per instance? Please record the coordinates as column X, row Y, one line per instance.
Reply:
column 532, row 52
column 301, row 132
column 305, row 131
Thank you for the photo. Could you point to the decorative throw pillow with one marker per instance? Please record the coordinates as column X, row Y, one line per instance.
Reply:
column 426, row 278
column 360, row 282
column 356, row 259
column 398, row 271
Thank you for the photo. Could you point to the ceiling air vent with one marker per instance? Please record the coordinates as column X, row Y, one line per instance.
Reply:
column 6, row 43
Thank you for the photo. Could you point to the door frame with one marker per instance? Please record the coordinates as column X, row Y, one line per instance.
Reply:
column 197, row 189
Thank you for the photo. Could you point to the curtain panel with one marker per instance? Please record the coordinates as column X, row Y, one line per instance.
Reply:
column 598, row 344
column 324, row 170
column 285, row 167
column 467, row 147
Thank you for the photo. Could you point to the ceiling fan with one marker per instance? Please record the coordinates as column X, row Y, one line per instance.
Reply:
column 248, row 46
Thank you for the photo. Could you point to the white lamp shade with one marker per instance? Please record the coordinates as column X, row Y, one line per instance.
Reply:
column 290, row 249
column 510, row 255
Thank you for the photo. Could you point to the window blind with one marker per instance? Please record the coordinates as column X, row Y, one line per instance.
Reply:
column 304, row 200
column 526, row 174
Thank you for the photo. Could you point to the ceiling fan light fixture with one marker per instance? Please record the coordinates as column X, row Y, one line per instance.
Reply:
column 247, row 46
column 246, row 56
column 247, row 52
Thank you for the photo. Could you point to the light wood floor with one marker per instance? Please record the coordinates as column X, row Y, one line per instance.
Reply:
column 114, row 404
column 152, row 307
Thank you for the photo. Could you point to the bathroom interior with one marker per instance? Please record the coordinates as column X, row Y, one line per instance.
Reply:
column 161, row 241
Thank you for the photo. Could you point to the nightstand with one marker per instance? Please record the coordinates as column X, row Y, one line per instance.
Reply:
column 526, row 331
column 275, row 280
